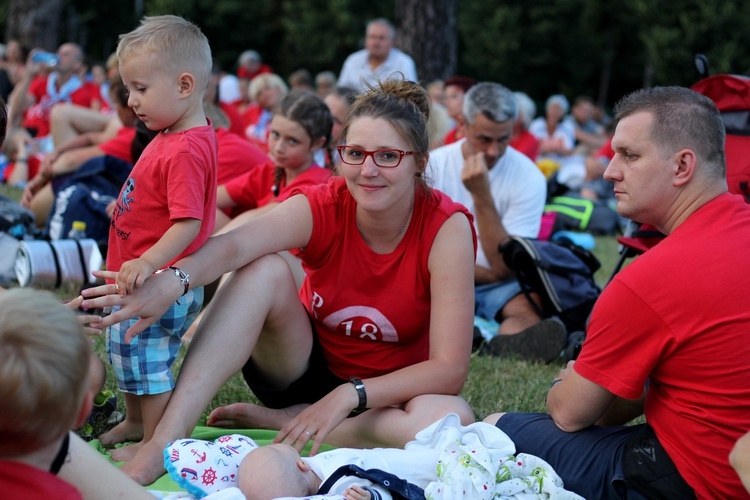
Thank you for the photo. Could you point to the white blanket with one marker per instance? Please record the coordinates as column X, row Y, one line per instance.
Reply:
column 479, row 461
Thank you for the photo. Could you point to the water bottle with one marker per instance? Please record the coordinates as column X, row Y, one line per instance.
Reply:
column 47, row 58
column 78, row 231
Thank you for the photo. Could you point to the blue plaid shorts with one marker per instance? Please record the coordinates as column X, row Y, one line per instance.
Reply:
column 143, row 366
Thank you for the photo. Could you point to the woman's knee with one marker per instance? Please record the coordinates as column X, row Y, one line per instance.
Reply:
column 270, row 283
column 435, row 406
column 270, row 269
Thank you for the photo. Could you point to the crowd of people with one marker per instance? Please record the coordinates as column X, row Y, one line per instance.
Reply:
column 349, row 239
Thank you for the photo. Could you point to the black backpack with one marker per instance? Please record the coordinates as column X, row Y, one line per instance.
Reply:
column 562, row 274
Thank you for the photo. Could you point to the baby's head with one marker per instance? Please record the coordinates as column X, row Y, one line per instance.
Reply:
column 43, row 373
column 276, row 470
column 179, row 45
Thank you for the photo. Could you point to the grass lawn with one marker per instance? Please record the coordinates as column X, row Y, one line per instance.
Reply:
column 494, row 384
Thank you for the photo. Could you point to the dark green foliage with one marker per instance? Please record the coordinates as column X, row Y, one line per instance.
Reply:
column 602, row 48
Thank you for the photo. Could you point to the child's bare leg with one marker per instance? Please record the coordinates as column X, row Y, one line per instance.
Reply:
column 130, row 429
column 242, row 308
column 152, row 409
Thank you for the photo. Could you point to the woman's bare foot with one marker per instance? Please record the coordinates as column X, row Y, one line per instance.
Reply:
column 252, row 416
column 124, row 431
column 147, row 465
column 125, row 453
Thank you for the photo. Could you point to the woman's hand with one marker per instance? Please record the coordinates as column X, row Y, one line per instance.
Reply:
column 149, row 302
column 85, row 319
column 318, row 420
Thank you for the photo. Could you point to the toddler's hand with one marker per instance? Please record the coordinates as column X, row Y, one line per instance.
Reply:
column 357, row 493
column 133, row 274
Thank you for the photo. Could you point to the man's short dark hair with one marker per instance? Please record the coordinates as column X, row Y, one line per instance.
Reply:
column 682, row 118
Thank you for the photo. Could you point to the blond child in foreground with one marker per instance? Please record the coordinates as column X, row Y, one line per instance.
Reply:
column 44, row 388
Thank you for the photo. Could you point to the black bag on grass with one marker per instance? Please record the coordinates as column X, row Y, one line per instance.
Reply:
column 562, row 274
column 573, row 213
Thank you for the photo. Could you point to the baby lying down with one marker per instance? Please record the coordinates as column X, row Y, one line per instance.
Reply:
column 445, row 461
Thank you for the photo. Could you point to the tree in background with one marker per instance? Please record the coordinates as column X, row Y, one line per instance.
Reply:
column 428, row 32
column 35, row 23
column 544, row 47
column 603, row 48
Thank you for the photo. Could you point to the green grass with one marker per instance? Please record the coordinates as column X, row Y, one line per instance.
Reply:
column 494, row 384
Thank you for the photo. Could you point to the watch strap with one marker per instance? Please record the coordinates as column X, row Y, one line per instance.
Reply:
column 361, row 393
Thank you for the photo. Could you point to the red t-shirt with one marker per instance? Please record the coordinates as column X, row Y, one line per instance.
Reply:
column 236, row 122
column 606, row 150
column 175, row 178
column 21, row 481
column 526, row 143
column 679, row 318
column 120, row 146
column 37, row 116
column 371, row 312
column 451, row 137
column 237, row 156
column 253, row 189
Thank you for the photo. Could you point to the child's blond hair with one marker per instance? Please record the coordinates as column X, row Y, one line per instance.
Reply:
column 44, row 363
column 266, row 81
column 180, row 44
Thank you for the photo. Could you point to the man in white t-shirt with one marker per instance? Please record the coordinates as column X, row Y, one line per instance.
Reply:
column 378, row 61
column 506, row 192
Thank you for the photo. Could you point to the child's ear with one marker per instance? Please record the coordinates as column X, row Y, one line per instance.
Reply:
column 318, row 144
column 186, row 83
column 85, row 410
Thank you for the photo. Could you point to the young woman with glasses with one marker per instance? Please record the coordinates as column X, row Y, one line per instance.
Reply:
column 375, row 345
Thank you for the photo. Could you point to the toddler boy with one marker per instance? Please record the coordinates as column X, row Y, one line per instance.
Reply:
column 165, row 210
